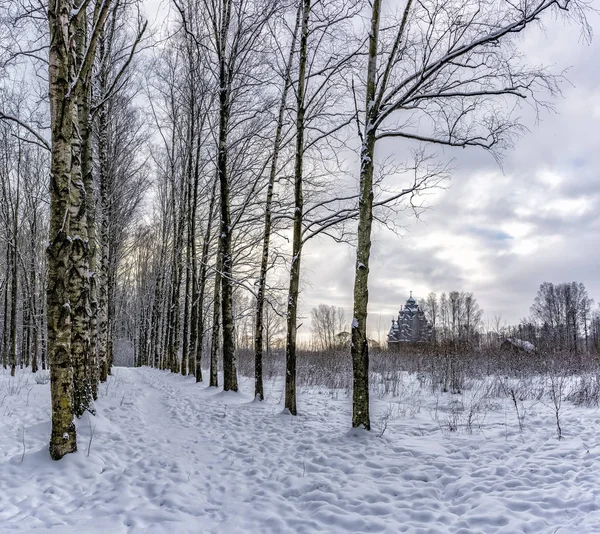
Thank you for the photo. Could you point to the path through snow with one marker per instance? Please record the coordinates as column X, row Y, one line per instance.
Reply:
column 171, row 456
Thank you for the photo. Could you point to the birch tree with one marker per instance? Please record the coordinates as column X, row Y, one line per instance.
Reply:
column 323, row 58
column 445, row 73
column 264, row 265
column 66, row 75
column 234, row 30
column 120, row 174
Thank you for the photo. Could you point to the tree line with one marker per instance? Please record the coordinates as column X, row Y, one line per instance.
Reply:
column 563, row 318
column 185, row 182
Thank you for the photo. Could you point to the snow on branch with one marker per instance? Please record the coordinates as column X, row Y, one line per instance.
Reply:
column 40, row 140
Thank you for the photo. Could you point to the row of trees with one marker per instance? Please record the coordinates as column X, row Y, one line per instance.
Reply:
column 455, row 316
column 330, row 327
column 96, row 182
column 563, row 318
column 23, row 216
column 254, row 109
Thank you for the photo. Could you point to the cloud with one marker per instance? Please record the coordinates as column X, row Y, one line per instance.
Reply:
column 498, row 232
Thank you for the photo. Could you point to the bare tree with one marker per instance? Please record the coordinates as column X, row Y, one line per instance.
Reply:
column 439, row 75
column 432, row 310
column 327, row 322
column 324, row 58
column 262, row 278
column 563, row 311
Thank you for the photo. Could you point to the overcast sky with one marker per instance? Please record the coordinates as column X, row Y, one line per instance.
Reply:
column 498, row 233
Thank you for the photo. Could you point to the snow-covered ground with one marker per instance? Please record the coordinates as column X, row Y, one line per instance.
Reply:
column 167, row 455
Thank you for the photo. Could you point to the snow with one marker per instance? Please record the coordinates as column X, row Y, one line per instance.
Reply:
column 165, row 455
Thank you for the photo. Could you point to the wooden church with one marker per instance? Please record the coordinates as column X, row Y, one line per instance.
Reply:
column 410, row 327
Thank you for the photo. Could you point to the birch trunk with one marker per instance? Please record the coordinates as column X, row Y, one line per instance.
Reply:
column 90, row 208
column 214, row 342
column 264, row 265
column 103, row 251
column 294, row 289
column 199, row 300
column 194, row 366
column 79, row 269
column 112, row 280
column 174, row 312
column 186, row 353
column 25, row 331
column 63, row 436
column 14, row 287
column 34, row 312
column 229, row 363
column 359, row 346
column 44, row 334
column 5, row 320
column 157, row 305
column 26, row 320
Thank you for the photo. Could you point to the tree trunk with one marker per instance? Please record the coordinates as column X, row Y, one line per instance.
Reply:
column 264, row 265
column 5, row 335
column 44, row 333
column 79, row 268
column 229, row 363
column 103, row 256
column 186, row 353
column 33, row 306
column 112, row 284
column 199, row 299
column 359, row 346
column 104, row 250
column 90, row 208
column 157, row 305
column 163, row 341
column 14, row 286
column 193, row 364
column 294, row 289
column 214, row 341
column 25, row 326
column 176, row 275
column 63, row 436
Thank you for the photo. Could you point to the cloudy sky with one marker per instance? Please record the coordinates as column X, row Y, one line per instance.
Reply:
column 496, row 232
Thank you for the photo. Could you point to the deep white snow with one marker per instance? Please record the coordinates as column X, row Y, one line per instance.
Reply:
column 170, row 456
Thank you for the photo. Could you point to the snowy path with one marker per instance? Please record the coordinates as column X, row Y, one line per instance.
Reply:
column 172, row 456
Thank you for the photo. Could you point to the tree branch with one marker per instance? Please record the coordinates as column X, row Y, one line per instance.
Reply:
column 42, row 142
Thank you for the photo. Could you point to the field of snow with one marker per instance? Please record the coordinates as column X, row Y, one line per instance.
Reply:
column 164, row 454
